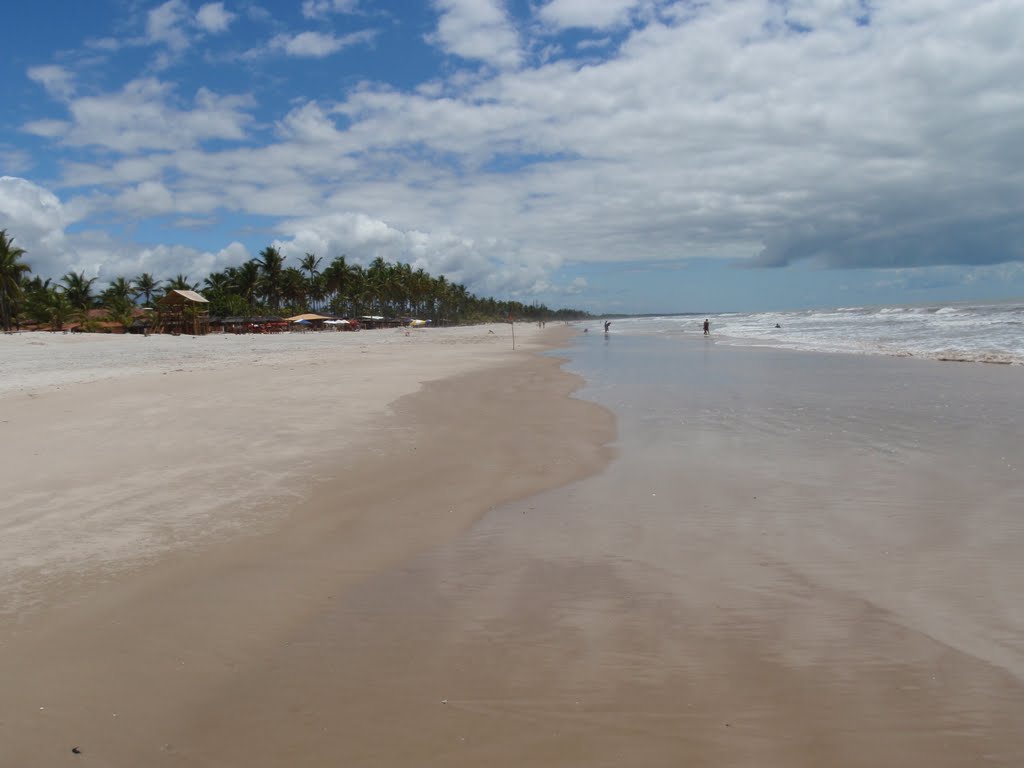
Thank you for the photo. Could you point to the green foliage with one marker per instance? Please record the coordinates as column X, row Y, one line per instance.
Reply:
column 78, row 289
column 60, row 310
column 265, row 286
column 120, row 311
column 12, row 271
column 146, row 287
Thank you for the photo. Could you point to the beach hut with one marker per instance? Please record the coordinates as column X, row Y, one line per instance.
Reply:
column 183, row 312
column 308, row 319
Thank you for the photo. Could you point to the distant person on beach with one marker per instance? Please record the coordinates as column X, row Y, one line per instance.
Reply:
column 707, row 328
column 606, row 324
column 777, row 325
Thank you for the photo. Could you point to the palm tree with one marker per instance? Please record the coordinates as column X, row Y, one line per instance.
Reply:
column 60, row 309
column 316, row 291
column 293, row 287
column 145, row 286
column 245, row 281
column 310, row 264
column 439, row 294
column 120, row 288
column 336, row 280
column 181, row 282
column 12, row 269
column 120, row 310
column 357, row 290
column 37, row 295
column 271, row 264
column 420, row 290
column 218, row 282
column 78, row 289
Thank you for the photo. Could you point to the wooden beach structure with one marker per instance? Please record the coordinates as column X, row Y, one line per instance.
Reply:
column 183, row 312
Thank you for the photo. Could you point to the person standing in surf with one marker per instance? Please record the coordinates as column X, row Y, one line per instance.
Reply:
column 707, row 328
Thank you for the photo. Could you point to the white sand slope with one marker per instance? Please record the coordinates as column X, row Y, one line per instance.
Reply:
column 118, row 448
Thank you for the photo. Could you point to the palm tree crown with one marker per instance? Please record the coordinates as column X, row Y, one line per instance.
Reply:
column 12, row 270
column 78, row 289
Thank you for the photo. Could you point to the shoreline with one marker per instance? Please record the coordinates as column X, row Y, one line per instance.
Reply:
column 206, row 605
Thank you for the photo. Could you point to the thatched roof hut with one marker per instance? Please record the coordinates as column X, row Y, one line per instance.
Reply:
column 184, row 312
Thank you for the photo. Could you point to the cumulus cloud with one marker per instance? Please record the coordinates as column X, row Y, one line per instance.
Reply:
column 213, row 18
column 479, row 30
column 589, row 14
column 58, row 81
column 316, row 45
column 487, row 266
column 317, row 9
column 150, row 198
column 49, row 129
column 165, row 24
column 33, row 209
column 144, row 116
column 38, row 220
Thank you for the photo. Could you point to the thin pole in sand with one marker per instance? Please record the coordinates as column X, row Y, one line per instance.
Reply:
column 512, row 320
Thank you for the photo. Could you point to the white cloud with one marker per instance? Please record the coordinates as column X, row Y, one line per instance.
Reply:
column 49, row 129
column 590, row 14
column 37, row 219
column 164, row 261
column 317, row 9
column 150, row 198
column 166, row 24
column 57, row 80
column 32, row 210
column 213, row 18
column 487, row 266
column 108, row 44
column 309, row 123
column 141, row 117
column 316, row 45
column 14, row 160
column 477, row 29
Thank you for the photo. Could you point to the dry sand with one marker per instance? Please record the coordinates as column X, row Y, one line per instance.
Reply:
column 174, row 510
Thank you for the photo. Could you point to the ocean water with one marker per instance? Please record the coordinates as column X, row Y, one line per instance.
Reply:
column 972, row 332
column 894, row 481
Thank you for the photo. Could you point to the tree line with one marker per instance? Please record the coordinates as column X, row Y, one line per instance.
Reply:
column 259, row 286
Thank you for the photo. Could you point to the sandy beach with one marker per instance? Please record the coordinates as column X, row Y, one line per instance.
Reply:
column 175, row 509
column 376, row 549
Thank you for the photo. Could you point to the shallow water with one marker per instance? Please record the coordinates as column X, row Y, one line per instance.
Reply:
column 978, row 332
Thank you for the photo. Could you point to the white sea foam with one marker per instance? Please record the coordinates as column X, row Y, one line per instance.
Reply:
column 972, row 332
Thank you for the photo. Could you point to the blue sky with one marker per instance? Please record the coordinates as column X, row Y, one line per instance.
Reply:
column 614, row 155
